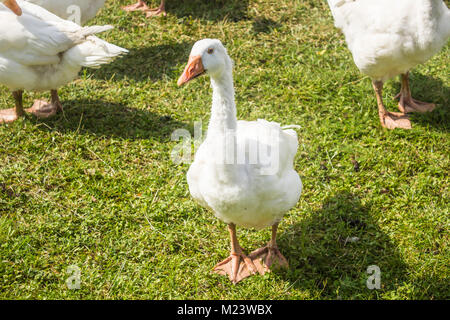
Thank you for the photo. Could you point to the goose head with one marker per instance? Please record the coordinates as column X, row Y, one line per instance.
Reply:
column 12, row 4
column 208, row 56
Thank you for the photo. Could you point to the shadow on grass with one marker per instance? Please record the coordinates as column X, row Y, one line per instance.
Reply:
column 160, row 61
column 141, row 64
column 108, row 119
column 326, row 258
column 216, row 10
column 212, row 10
column 433, row 90
column 264, row 25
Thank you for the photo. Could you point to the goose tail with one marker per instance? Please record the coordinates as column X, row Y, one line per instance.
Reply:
column 291, row 126
column 88, row 31
column 94, row 52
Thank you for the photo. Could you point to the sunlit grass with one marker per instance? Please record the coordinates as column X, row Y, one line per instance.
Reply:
column 95, row 187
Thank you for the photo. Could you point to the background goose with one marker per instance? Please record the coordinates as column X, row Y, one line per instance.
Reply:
column 142, row 6
column 388, row 38
column 40, row 51
column 65, row 8
column 250, row 191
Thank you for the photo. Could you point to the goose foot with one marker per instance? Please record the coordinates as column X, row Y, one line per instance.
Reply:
column 271, row 257
column 408, row 104
column 392, row 120
column 11, row 115
column 139, row 6
column 161, row 10
column 8, row 115
column 44, row 109
column 389, row 120
column 238, row 266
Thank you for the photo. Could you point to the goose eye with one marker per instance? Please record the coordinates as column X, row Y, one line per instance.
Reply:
column 210, row 50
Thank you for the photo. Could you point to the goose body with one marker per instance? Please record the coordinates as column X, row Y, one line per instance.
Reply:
column 243, row 194
column 66, row 9
column 388, row 38
column 244, row 170
column 40, row 51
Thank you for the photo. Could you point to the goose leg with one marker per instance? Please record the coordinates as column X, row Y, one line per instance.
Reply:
column 140, row 5
column 270, row 254
column 390, row 120
column 10, row 115
column 237, row 266
column 55, row 100
column 161, row 10
column 406, row 102
column 44, row 109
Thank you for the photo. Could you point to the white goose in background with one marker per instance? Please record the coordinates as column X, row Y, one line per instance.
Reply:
column 250, row 193
column 388, row 38
column 40, row 51
column 70, row 9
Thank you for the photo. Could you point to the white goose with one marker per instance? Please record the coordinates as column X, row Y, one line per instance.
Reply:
column 388, row 38
column 229, row 177
column 40, row 51
column 66, row 9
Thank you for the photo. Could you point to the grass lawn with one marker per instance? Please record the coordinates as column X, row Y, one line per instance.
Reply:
column 95, row 186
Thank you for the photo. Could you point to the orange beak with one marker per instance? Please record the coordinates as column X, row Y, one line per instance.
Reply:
column 12, row 4
column 193, row 70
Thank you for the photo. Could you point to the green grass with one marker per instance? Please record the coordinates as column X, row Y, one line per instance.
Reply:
column 95, row 186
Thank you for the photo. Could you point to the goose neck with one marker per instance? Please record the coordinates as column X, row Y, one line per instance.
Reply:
column 223, row 110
